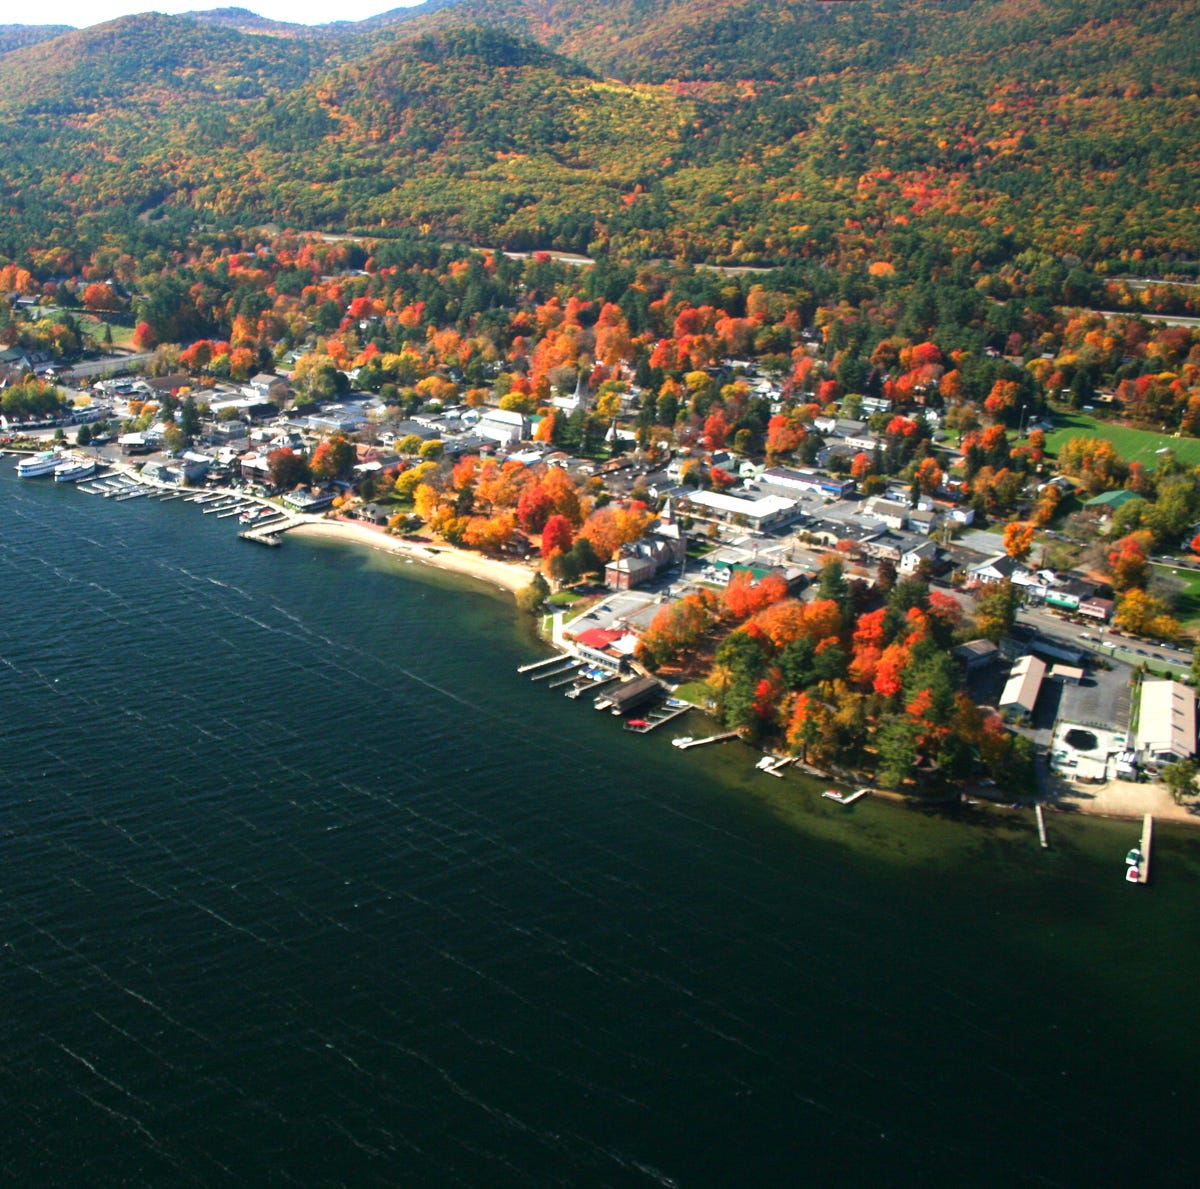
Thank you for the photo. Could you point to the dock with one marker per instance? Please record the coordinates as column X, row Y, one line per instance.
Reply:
column 534, row 666
column 268, row 533
column 845, row 798
column 1041, row 823
column 569, row 667
column 1147, row 841
column 585, row 684
column 772, row 765
column 659, row 716
column 687, row 742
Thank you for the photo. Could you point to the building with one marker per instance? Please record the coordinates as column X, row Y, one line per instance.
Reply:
column 798, row 479
column 303, row 500
column 1166, row 729
column 505, row 426
column 975, row 654
column 758, row 512
column 610, row 648
column 1022, row 688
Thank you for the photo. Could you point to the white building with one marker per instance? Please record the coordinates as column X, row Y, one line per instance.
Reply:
column 505, row 426
column 760, row 512
column 1166, row 729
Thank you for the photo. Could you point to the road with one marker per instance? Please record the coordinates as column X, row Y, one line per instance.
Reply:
column 1104, row 641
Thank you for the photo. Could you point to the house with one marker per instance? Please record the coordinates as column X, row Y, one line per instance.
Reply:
column 891, row 512
column 996, row 569
column 373, row 513
column 914, row 556
column 265, row 387
column 975, row 654
column 1166, row 729
column 1022, row 688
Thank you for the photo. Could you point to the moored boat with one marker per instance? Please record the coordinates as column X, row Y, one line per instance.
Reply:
column 39, row 464
column 73, row 468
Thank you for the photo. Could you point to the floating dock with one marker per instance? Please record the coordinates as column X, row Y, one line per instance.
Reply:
column 1041, row 823
column 686, row 741
column 773, row 765
column 845, row 798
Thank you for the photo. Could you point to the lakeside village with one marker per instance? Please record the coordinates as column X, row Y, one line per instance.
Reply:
column 925, row 536
column 862, row 630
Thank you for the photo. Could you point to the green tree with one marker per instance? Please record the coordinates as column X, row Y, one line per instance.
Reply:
column 896, row 742
column 1180, row 778
column 189, row 417
column 996, row 609
column 531, row 597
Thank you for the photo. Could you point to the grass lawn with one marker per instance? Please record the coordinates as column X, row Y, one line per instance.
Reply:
column 696, row 692
column 1187, row 603
column 1134, row 445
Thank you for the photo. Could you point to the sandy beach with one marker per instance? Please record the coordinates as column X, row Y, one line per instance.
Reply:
column 510, row 576
column 1125, row 798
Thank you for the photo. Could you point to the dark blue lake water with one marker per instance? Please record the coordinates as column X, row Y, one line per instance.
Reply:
column 301, row 883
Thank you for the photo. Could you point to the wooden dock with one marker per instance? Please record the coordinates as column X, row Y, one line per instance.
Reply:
column 1147, row 841
column 270, row 532
column 684, row 744
column 1041, row 824
column 570, row 666
column 658, row 717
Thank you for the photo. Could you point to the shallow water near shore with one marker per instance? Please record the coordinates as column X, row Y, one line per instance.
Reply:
column 302, row 883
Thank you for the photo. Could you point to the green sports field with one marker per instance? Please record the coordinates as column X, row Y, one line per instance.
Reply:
column 1134, row 445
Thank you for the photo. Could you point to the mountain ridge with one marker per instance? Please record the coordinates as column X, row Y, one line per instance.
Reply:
column 693, row 129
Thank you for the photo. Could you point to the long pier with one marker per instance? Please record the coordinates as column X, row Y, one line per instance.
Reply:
column 1147, row 841
column 533, row 666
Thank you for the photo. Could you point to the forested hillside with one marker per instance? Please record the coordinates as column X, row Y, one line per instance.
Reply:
column 908, row 138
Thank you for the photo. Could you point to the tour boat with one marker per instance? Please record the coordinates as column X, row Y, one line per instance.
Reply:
column 74, row 469
column 1133, row 858
column 1133, row 875
column 39, row 464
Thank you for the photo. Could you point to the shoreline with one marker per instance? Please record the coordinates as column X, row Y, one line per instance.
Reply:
column 1118, row 800
column 508, row 576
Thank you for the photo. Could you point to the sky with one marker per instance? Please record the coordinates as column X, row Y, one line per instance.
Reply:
column 301, row 12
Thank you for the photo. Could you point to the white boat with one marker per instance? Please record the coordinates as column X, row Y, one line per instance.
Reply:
column 74, row 469
column 39, row 464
